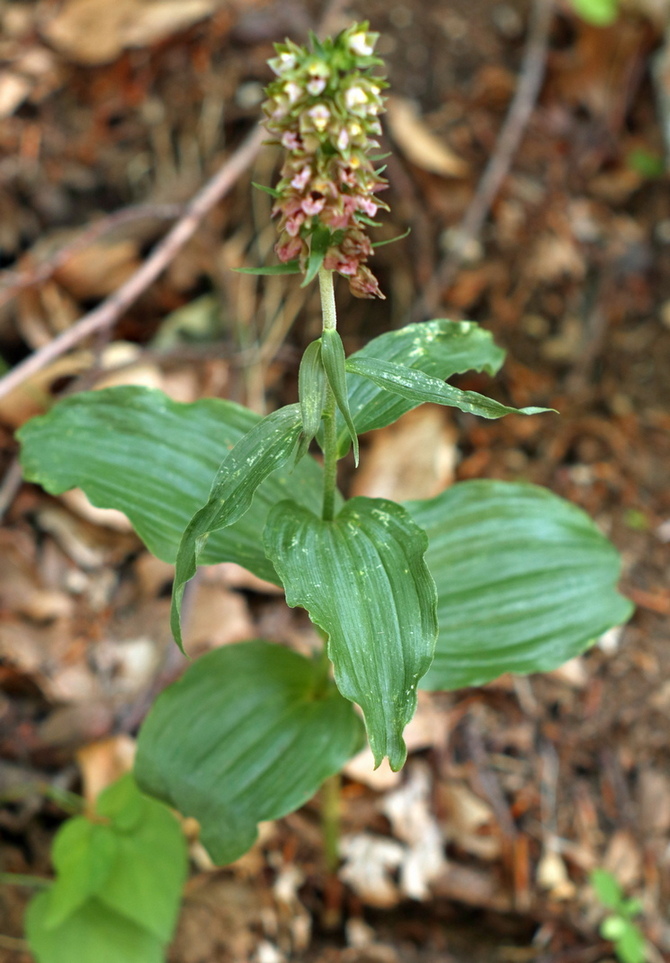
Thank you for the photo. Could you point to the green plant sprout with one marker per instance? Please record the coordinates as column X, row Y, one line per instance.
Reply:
column 488, row 577
column 120, row 869
column 618, row 926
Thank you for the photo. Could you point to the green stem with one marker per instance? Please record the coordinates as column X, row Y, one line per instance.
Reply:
column 329, row 315
column 327, row 291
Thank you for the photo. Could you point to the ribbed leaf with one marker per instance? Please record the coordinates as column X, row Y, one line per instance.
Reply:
column 333, row 357
column 248, row 733
column 440, row 348
column 93, row 933
column 311, row 391
column 419, row 388
column 363, row 580
column 264, row 449
column 134, row 449
column 525, row 581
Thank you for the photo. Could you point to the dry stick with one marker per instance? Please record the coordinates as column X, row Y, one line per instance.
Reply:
column 107, row 313
column 523, row 102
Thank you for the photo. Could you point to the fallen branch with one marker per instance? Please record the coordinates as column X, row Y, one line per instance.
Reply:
column 530, row 81
column 107, row 313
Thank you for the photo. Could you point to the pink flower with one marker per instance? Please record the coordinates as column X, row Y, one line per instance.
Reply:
column 301, row 180
column 313, row 205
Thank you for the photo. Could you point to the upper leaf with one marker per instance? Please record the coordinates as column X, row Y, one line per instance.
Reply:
column 248, row 733
column 419, row 388
column 256, row 455
column 311, row 392
column 363, row 580
column 440, row 348
column 525, row 581
column 134, row 449
column 334, row 361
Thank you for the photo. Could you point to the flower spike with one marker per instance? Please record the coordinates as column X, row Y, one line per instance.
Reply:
column 323, row 108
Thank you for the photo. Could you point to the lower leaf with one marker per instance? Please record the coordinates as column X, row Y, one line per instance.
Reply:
column 525, row 581
column 249, row 733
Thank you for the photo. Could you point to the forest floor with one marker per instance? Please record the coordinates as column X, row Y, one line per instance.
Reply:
column 129, row 106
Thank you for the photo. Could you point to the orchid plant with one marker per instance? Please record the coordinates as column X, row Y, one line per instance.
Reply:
column 487, row 577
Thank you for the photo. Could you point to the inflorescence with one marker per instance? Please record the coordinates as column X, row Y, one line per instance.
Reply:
column 323, row 109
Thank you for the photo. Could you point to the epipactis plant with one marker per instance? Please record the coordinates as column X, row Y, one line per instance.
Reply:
column 485, row 578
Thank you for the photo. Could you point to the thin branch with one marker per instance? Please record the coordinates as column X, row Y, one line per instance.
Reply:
column 531, row 75
column 107, row 313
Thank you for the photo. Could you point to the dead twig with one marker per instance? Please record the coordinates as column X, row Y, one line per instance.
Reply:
column 107, row 313
column 530, row 80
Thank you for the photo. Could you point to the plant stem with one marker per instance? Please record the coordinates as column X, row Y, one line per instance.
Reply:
column 327, row 291
column 329, row 315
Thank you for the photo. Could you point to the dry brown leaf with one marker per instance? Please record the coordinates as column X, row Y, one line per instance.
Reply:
column 418, row 143
column 13, row 91
column 97, row 31
column 413, row 458
column 99, row 269
column 102, row 763
column 33, row 396
column 469, row 821
column 412, row 821
column 369, row 862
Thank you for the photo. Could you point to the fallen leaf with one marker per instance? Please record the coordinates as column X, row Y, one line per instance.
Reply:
column 98, row 31
column 418, row 143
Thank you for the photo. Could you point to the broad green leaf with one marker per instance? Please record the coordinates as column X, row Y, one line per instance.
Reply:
column 363, row 580
column 333, row 357
column 288, row 267
column 311, row 391
column 525, row 581
column 248, row 733
column 440, row 348
column 418, row 387
column 83, row 856
column 134, row 449
column 93, row 934
column 264, row 449
column 149, row 871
